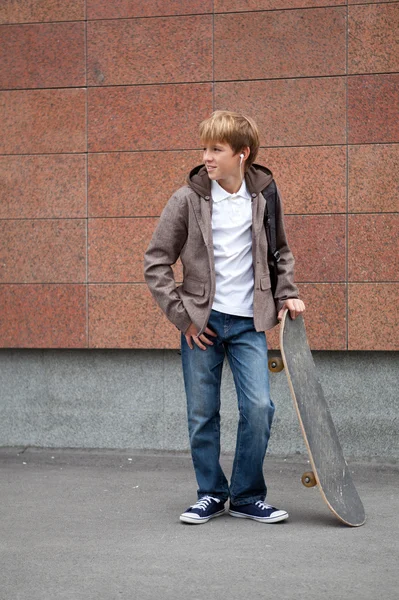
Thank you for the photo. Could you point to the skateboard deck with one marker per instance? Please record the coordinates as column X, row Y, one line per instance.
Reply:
column 329, row 469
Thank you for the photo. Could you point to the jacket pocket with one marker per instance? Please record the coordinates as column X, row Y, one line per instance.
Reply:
column 265, row 283
column 192, row 286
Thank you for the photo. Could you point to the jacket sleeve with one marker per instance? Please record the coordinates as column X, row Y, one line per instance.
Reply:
column 163, row 251
column 285, row 267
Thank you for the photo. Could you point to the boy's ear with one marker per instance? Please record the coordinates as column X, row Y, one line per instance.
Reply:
column 246, row 151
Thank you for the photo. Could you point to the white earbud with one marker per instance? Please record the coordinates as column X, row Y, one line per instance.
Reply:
column 241, row 157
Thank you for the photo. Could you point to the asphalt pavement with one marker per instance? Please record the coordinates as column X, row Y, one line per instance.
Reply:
column 104, row 525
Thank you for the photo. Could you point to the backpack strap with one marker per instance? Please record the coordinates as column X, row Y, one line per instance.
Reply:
column 269, row 219
column 270, row 195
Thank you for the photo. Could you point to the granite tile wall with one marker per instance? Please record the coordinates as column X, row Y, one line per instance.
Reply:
column 99, row 104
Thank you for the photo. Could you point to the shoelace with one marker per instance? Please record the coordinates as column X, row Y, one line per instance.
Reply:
column 204, row 502
column 262, row 505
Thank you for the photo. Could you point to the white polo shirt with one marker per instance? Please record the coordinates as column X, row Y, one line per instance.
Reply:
column 232, row 246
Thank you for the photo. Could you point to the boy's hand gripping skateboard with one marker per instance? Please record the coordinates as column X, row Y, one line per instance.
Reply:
column 330, row 471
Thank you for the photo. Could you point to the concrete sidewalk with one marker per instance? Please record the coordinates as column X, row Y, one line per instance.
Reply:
column 103, row 525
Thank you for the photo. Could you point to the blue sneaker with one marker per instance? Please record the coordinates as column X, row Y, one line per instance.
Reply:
column 206, row 508
column 258, row 511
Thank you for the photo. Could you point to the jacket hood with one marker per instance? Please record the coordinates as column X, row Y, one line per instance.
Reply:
column 257, row 178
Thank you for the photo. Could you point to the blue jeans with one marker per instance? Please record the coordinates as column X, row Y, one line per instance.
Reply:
column 246, row 351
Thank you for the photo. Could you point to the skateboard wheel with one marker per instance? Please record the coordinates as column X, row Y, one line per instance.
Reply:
column 308, row 479
column 276, row 364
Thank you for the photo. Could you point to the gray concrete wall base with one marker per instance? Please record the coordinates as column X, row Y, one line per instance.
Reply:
column 135, row 399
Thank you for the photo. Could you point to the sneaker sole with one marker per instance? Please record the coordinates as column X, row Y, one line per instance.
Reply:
column 277, row 519
column 199, row 521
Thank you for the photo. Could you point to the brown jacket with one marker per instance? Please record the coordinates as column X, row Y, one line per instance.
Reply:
column 185, row 230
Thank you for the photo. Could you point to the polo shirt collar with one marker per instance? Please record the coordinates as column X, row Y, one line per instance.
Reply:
column 219, row 194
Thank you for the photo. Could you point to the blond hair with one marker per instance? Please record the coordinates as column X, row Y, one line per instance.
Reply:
column 232, row 128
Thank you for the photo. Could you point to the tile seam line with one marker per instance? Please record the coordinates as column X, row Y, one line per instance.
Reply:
column 27, row 23
column 88, row 20
column 343, row 5
column 168, row 16
column 204, row 82
column 288, row 8
column 213, row 56
column 146, row 17
column 99, row 87
column 237, row 12
column 87, row 319
column 141, row 283
column 41, row 283
column 284, row 9
column 191, row 149
column 122, row 217
column 347, row 177
column 148, row 150
column 83, row 218
column 297, row 77
column 216, row 13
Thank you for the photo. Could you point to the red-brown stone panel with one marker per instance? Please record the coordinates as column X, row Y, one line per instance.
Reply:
column 278, row 44
column 126, row 316
column 290, row 112
column 368, row 1
column 136, row 184
column 249, row 5
column 48, row 251
column 43, row 316
column 38, row 11
column 124, row 9
column 373, row 108
column 42, row 55
column 273, row 338
column 160, row 50
column 116, row 249
column 311, row 179
column 43, row 121
column 149, row 117
column 51, row 186
column 318, row 245
column 325, row 316
column 374, row 178
column 373, row 316
column 373, row 248
column 373, row 38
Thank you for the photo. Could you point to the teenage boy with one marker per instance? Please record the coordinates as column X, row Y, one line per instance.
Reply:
column 215, row 224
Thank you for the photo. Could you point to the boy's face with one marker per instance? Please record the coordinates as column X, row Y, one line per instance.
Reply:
column 220, row 161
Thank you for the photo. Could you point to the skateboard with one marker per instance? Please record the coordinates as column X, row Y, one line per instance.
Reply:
column 329, row 469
